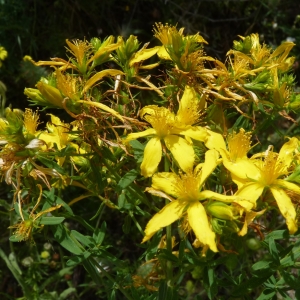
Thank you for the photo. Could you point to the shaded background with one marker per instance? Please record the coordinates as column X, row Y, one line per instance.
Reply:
column 39, row 27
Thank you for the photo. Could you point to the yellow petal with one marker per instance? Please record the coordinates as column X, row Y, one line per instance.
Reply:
column 198, row 221
column 250, row 191
column 286, row 152
column 182, row 151
column 287, row 185
column 152, row 157
column 210, row 163
column 104, row 50
column 163, row 54
column 136, row 135
column 165, row 181
column 241, row 168
column 159, row 193
column 169, row 214
column 197, row 133
column 206, row 194
column 143, row 54
column 250, row 216
column 286, row 208
column 188, row 103
column 51, row 94
column 215, row 141
column 98, row 76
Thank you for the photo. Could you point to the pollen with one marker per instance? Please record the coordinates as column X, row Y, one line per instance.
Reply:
column 187, row 188
column 165, row 33
column 273, row 167
column 161, row 119
column 31, row 121
column 239, row 144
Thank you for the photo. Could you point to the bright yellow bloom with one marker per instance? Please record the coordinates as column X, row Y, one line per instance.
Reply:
column 187, row 189
column 3, row 55
column 169, row 128
column 255, row 175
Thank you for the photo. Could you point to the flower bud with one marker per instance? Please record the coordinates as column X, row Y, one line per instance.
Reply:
column 35, row 96
column 27, row 261
column 45, row 254
column 51, row 94
column 220, row 210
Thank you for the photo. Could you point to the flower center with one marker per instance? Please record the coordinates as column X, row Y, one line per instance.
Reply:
column 273, row 167
column 239, row 144
column 162, row 120
column 187, row 188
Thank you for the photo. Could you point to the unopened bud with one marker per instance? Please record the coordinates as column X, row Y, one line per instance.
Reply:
column 220, row 210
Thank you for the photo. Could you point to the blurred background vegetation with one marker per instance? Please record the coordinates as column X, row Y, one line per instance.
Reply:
column 39, row 28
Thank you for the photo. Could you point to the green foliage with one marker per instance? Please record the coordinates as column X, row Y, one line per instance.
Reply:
column 82, row 193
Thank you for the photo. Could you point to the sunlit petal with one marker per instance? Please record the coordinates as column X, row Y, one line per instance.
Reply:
column 250, row 191
column 182, row 151
column 215, row 141
column 165, row 182
column 286, row 208
column 287, row 185
column 169, row 214
column 198, row 221
column 163, row 54
column 152, row 157
column 241, row 168
column 211, row 161
column 197, row 133
column 206, row 194
column 250, row 216
column 136, row 135
column 287, row 151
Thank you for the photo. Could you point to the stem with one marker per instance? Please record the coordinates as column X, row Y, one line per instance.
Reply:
column 169, row 271
column 169, row 248
column 136, row 223
column 17, row 276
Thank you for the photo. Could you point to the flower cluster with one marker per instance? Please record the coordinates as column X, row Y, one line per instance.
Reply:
column 195, row 122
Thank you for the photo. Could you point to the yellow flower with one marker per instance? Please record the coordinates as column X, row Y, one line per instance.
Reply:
column 31, row 122
column 169, row 128
column 25, row 228
column 255, row 175
column 3, row 55
column 187, row 189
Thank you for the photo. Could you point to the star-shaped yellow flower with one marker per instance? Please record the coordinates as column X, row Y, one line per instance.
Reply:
column 256, row 175
column 187, row 190
column 170, row 128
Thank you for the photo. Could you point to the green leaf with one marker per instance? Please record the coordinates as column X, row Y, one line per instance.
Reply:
column 262, row 265
column 267, row 294
column 273, row 251
column 51, row 164
column 138, row 150
column 51, row 220
column 99, row 234
column 292, row 257
column 15, row 238
column 66, row 293
column 5, row 204
column 85, row 240
column 167, row 255
column 62, row 236
column 166, row 292
column 127, row 179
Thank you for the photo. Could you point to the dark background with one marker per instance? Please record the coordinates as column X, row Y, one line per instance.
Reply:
column 39, row 27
